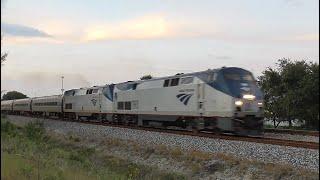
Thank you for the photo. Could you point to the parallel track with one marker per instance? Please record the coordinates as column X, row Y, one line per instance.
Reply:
column 263, row 140
column 293, row 132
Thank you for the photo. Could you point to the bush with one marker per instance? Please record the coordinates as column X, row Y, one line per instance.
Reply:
column 3, row 115
column 75, row 156
column 26, row 171
column 176, row 153
column 82, row 155
column 35, row 130
column 8, row 128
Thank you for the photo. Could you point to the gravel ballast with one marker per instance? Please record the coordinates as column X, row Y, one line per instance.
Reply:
column 298, row 157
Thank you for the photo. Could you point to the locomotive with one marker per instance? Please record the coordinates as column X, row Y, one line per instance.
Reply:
column 227, row 99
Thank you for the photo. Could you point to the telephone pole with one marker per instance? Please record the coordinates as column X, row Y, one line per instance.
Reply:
column 62, row 85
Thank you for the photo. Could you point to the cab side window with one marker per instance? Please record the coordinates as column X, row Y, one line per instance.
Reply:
column 174, row 82
column 171, row 82
column 166, row 83
column 120, row 105
column 89, row 91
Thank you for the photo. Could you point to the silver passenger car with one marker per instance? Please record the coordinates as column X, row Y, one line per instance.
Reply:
column 22, row 106
column 47, row 105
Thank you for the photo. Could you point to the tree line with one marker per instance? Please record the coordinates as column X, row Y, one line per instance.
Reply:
column 291, row 93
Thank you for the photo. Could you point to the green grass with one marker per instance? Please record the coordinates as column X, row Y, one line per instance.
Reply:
column 29, row 153
column 19, row 167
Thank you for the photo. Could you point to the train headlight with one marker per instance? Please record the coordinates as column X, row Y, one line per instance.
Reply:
column 260, row 104
column 249, row 96
column 238, row 103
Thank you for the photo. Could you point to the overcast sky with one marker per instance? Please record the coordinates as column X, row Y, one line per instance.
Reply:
column 98, row 42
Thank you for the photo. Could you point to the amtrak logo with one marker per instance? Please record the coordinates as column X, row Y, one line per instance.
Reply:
column 184, row 98
column 94, row 102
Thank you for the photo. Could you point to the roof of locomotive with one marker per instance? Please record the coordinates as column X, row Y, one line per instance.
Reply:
column 179, row 75
column 50, row 96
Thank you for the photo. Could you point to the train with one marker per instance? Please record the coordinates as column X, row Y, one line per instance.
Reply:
column 223, row 100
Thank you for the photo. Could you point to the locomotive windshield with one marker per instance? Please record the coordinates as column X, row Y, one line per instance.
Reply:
column 238, row 77
column 236, row 82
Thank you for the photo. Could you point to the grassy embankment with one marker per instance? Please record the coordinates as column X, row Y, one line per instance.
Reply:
column 29, row 153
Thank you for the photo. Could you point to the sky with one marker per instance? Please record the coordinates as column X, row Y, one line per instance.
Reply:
column 99, row 42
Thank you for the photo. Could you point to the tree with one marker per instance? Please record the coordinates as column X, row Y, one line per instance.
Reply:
column 146, row 77
column 310, row 94
column 13, row 95
column 3, row 58
column 292, row 92
column 3, row 55
column 270, row 83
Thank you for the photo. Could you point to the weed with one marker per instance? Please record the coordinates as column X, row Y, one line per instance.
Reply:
column 133, row 171
column 213, row 167
column 229, row 159
column 136, row 147
column 76, row 139
column 113, row 142
column 198, row 156
column 8, row 128
column 26, row 171
column 148, row 151
column 35, row 130
column 176, row 153
column 76, row 156
column 3, row 116
column 172, row 177
column 162, row 149
column 269, row 167
column 195, row 167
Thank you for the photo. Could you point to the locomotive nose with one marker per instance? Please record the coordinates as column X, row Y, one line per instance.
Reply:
column 244, row 107
column 249, row 97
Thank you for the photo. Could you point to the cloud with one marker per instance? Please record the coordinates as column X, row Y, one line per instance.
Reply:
column 62, row 30
column 21, row 30
column 141, row 28
column 29, row 40
column 147, row 27
column 19, row 34
column 307, row 37
column 293, row 3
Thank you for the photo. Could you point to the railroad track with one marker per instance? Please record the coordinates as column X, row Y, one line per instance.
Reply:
column 293, row 132
column 263, row 140
column 300, row 144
